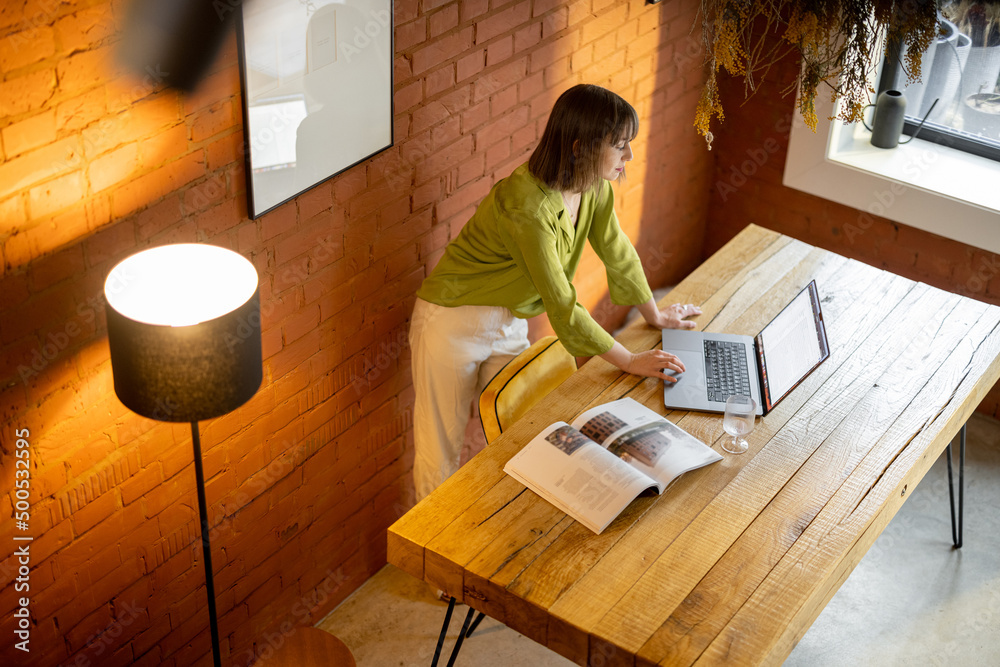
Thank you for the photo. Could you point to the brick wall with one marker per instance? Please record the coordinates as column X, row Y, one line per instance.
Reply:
column 750, row 150
column 304, row 479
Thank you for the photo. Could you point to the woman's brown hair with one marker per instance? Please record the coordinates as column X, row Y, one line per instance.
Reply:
column 585, row 121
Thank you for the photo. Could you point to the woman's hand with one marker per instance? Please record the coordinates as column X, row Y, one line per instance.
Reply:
column 650, row 363
column 671, row 317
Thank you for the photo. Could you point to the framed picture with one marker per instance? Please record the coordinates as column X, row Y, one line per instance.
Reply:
column 317, row 92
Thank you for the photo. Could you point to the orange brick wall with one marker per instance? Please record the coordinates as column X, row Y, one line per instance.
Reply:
column 304, row 479
column 750, row 150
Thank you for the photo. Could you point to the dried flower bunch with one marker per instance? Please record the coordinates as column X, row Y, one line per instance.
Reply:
column 838, row 40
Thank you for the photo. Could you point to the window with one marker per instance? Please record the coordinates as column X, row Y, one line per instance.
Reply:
column 961, row 72
column 930, row 186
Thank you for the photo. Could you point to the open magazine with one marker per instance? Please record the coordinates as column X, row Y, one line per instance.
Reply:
column 593, row 468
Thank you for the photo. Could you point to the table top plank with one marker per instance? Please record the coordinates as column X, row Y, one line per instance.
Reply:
column 484, row 577
column 748, row 249
column 599, row 589
column 785, row 273
column 727, row 586
column 780, row 610
column 445, row 555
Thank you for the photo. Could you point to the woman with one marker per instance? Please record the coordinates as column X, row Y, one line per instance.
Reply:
column 515, row 259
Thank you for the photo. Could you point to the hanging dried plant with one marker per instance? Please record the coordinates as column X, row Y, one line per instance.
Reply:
column 838, row 41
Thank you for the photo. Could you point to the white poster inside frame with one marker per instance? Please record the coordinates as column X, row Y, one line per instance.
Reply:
column 317, row 92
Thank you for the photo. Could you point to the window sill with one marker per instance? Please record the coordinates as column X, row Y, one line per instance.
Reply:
column 920, row 184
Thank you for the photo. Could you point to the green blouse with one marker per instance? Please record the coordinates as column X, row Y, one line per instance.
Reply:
column 521, row 251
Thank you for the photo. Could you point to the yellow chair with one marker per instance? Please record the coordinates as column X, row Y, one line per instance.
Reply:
column 523, row 382
column 513, row 391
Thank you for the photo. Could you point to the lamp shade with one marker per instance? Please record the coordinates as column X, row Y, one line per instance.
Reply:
column 184, row 331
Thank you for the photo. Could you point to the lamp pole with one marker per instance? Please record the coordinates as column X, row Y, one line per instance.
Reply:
column 206, row 544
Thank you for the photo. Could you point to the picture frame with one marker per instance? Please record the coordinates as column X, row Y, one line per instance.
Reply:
column 316, row 78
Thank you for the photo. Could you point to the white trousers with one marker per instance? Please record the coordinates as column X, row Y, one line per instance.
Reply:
column 456, row 352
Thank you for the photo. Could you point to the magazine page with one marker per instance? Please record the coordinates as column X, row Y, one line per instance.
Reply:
column 577, row 475
column 645, row 440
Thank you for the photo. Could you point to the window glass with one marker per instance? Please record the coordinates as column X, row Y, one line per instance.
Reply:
column 961, row 70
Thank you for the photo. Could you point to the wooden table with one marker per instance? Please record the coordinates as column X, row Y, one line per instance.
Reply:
column 734, row 562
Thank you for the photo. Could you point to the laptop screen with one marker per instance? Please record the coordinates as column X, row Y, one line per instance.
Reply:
column 792, row 345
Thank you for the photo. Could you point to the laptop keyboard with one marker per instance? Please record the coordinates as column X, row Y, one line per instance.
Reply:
column 726, row 370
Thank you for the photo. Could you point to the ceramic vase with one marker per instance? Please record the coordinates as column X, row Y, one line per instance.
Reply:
column 887, row 126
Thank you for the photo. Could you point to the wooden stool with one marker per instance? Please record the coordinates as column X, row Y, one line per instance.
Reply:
column 311, row 647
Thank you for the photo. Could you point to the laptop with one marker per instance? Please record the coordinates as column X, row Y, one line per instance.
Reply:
column 766, row 367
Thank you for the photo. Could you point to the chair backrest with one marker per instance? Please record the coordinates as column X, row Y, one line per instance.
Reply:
column 522, row 383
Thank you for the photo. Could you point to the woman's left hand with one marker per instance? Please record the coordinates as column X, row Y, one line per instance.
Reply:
column 673, row 317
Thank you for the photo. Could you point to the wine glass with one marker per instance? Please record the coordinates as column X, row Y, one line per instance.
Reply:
column 738, row 422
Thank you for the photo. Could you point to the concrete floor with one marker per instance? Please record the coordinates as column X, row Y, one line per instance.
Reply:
column 913, row 600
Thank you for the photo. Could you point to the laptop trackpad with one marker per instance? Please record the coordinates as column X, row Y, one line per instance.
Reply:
column 679, row 339
column 690, row 388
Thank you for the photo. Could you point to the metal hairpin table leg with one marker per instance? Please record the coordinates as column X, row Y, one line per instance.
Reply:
column 467, row 631
column 444, row 631
column 461, row 637
column 956, row 526
column 475, row 624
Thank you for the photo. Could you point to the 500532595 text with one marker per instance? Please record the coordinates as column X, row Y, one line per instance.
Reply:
column 22, row 553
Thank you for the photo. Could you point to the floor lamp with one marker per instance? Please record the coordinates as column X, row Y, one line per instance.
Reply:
column 184, row 332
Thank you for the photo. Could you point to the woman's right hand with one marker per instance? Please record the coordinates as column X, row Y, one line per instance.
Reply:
column 650, row 363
